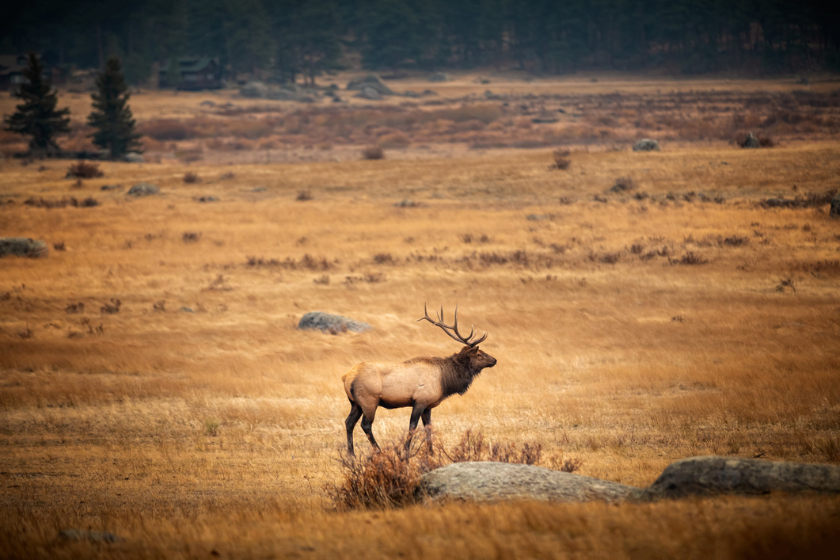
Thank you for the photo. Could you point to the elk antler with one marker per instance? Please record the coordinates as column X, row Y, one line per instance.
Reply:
column 446, row 328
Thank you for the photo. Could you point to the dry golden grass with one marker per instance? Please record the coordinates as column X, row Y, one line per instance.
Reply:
column 218, row 428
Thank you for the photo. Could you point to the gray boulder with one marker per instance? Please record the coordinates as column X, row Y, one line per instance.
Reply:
column 712, row 475
column 487, row 481
column 751, row 141
column 371, row 81
column 646, row 145
column 254, row 90
column 143, row 189
column 23, row 247
column 369, row 93
column 325, row 322
column 439, row 77
column 834, row 212
column 133, row 157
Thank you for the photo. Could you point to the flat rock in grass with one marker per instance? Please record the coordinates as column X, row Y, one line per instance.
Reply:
column 133, row 157
column 326, row 322
column 488, row 481
column 23, row 247
column 369, row 93
column 92, row 536
column 646, row 145
column 712, row 475
column 143, row 189
column 370, row 81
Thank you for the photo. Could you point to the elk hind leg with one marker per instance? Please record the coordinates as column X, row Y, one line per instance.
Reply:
column 427, row 424
column 350, row 423
column 416, row 412
column 367, row 426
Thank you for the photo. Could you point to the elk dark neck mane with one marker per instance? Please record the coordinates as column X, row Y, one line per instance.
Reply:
column 458, row 373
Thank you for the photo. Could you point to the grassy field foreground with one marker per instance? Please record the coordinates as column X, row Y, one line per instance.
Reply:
column 632, row 327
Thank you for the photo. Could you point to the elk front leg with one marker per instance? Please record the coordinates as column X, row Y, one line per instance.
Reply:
column 427, row 424
column 350, row 423
column 416, row 412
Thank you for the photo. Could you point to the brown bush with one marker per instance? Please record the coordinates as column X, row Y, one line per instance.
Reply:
column 190, row 177
column 84, row 170
column 623, row 184
column 373, row 152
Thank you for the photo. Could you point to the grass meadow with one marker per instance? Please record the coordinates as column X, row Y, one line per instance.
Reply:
column 153, row 383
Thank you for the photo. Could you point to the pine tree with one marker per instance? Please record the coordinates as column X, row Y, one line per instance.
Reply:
column 37, row 116
column 111, row 115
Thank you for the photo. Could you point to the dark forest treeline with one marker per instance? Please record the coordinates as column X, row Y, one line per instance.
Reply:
column 287, row 37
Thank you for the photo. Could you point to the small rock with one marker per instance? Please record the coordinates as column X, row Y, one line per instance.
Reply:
column 23, row 247
column 133, row 157
column 143, row 189
column 646, row 145
column 187, row 310
column 439, row 77
column 488, row 481
column 325, row 322
column 710, row 475
column 254, row 90
column 834, row 212
column 208, row 103
column 751, row 141
column 406, row 203
column 207, row 199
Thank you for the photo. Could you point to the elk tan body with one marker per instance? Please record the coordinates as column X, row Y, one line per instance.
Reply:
column 419, row 383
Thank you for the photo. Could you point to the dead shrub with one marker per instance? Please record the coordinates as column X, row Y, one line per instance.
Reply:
column 690, row 258
column 623, row 184
column 84, row 170
column 383, row 258
column 373, row 153
column 59, row 246
column 307, row 262
column 112, row 307
column 75, row 307
column 190, row 236
column 561, row 159
column 190, row 178
column 304, row 195
column 736, row 241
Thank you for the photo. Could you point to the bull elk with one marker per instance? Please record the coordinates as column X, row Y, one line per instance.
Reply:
column 419, row 383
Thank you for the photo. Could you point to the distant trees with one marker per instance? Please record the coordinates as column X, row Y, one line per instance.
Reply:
column 111, row 115
column 37, row 116
column 290, row 37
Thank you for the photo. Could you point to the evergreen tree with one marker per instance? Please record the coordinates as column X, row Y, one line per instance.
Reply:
column 111, row 115
column 37, row 116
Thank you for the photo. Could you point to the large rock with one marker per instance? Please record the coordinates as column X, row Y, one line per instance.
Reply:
column 646, row 145
column 255, row 90
column 369, row 93
column 143, row 189
column 23, row 247
column 325, row 322
column 372, row 81
column 834, row 212
column 487, row 481
column 133, row 157
column 751, row 141
column 712, row 475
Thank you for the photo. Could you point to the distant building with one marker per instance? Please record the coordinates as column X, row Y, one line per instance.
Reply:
column 12, row 67
column 196, row 73
column 11, row 70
